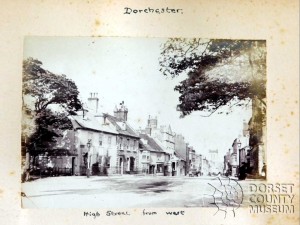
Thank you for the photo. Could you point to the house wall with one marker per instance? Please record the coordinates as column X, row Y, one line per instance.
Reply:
column 144, row 160
column 166, row 139
column 102, row 145
column 198, row 162
column 127, row 147
column 181, row 168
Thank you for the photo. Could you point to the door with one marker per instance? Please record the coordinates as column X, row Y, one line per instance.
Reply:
column 73, row 165
column 132, row 159
column 173, row 169
column 121, row 166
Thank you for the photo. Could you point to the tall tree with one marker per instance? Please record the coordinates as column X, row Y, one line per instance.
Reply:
column 48, row 99
column 46, row 88
column 219, row 72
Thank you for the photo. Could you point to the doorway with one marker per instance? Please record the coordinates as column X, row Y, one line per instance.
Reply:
column 73, row 165
column 121, row 167
column 131, row 168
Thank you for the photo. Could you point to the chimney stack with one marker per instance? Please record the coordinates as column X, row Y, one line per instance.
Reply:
column 121, row 112
column 93, row 102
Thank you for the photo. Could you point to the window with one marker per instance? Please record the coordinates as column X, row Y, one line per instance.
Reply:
column 158, row 156
column 127, row 144
column 100, row 139
column 108, row 162
column 159, row 168
column 109, row 140
column 143, row 157
column 120, row 142
column 134, row 143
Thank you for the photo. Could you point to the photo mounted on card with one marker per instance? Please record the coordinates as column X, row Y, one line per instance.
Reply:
column 112, row 122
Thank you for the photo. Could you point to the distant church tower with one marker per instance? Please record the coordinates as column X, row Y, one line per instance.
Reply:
column 121, row 112
column 151, row 125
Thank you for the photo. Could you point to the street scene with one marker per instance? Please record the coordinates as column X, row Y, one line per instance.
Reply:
column 133, row 122
column 124, row 191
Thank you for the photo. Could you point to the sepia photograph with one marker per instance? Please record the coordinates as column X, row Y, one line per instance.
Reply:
column 116, row 122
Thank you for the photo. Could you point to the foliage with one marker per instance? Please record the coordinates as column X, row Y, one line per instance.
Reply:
column 48, row 88
column 43, row 92
column 48, row 128
column 219, row 72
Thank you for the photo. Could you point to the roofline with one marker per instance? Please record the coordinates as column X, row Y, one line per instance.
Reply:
column 149, row 137
column 99, row 131
column 153, row 150
column 158, row 151
column 129, row 135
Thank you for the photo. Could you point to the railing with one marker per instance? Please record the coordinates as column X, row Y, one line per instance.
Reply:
column 46, row 172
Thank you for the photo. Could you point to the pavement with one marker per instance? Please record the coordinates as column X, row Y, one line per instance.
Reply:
column 128, row 191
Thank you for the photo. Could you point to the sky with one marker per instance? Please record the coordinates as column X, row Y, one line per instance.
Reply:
column 127, row 69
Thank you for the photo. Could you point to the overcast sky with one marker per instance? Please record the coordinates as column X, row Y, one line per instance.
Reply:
column 127, row 69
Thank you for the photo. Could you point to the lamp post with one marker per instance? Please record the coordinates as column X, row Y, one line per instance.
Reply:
column 88, row 159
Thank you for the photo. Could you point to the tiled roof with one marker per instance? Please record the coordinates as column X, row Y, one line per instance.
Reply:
column 129, row 131
column 151, row 143
column 93, row 123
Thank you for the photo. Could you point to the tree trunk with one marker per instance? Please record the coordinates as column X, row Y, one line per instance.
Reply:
column 26, row 175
